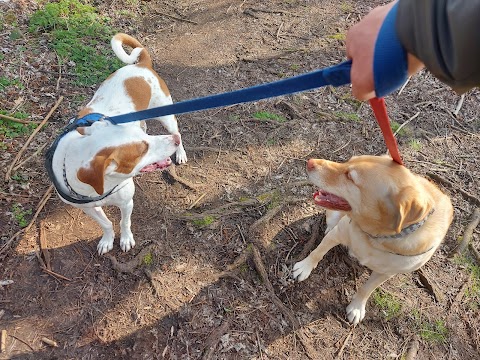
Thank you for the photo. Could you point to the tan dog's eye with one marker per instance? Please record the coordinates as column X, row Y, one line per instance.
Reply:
column 348, row 175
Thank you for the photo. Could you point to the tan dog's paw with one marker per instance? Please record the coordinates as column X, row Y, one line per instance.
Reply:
column 355, row 311
column 126, row 241
column 302, row 269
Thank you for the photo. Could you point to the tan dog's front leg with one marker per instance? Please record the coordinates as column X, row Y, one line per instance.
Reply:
column 356, row 309
column 302, row 269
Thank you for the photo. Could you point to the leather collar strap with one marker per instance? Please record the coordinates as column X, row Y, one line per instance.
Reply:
column 73, row 196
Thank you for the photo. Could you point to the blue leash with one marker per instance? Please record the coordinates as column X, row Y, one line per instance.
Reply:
column 334, row 75
column 390, row 72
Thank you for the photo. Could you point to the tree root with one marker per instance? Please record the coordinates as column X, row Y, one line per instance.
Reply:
column 130, row 266
column 468, row 233
column 469, row 197
column 172, row 172
column 257, row 259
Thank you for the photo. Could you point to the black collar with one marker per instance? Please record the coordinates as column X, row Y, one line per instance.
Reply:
column 72, row 196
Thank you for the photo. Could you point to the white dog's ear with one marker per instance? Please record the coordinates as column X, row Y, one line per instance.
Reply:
column 413, row 206
column 121, row 159
column 94, row 175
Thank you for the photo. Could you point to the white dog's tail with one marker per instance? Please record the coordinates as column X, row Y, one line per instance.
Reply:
column 139, row 54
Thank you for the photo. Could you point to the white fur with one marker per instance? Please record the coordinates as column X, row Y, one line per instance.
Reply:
column 76, row 151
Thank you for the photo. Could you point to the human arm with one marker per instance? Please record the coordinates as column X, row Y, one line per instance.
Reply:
column 439, row 32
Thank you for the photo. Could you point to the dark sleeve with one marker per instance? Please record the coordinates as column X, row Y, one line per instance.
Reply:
column 445, row 36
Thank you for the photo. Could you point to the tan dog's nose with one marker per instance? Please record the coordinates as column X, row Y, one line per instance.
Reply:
column 310, row 164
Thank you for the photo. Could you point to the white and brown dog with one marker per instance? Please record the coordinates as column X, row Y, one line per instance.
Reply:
column 93, row 166
column 390, row 219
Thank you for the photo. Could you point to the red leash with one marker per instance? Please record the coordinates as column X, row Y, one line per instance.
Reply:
column 380, row 111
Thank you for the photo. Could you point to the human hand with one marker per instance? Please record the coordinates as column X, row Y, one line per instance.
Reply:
column 361, row 39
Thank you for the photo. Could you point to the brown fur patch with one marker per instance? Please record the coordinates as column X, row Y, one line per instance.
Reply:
column 144, row 58
column 163, row 85
column 125, row 156
column 84, row 111
column 140, row 92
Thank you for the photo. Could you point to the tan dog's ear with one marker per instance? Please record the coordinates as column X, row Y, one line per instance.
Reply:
column 95, row 173
column 413, row 206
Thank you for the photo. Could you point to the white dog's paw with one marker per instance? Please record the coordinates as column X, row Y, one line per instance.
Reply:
column 126, row 241
column 181, row 155
column 302, row 269
column 105, row 244
column 355, row 312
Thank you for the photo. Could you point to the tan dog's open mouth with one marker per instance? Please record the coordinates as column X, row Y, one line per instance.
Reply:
column 331, row 201
column 159, row 165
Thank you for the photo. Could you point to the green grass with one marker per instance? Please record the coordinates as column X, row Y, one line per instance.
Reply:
column 206, row 221
column 80, row 37
column 6, row 82
column 148, row 259
column 435, row 332
column 431, row 331
column 10, row 129
column 347, row 116
column 415, row 144
column 20, row 214
column 472, row 293
column 338, row 36
column 389, row 305
column 395, row 126
column 265, row 115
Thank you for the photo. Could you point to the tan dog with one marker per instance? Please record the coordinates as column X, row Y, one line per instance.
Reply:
column 391, row 220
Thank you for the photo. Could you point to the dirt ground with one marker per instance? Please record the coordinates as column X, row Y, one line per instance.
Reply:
column 191, row 295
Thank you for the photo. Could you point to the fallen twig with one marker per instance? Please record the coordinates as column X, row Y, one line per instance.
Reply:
column 49, row 342
column 459, row 105
column 197, row 201
column 40, row 206
column 257, row 259
column 465, row 194
column 44, row 246
column 404, row 85
column 406, row 123
column 9, row 118
column 29, row 140
column 38, row 151
column 468, row 232
column 49, row 272
column 213, row 340
column 22, row 341
column 272, row 11
column 340, row 352
column 3, row 341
